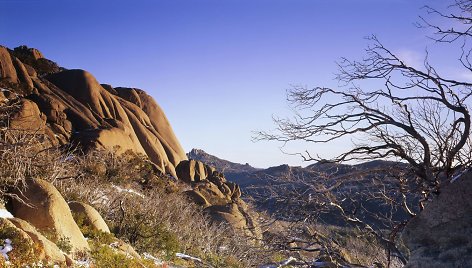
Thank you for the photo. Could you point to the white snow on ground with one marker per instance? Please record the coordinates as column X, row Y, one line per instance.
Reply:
column 459, row 175
column 83, row 263
column 292, row 260
column 100, row 198
column 156, row 261
column 280, row 264
column 288, row 261
column 5, row 214
column 187, row 257
column 131, row 191
column 6, row 248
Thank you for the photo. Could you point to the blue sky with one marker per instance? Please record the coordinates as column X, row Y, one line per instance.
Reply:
column 219, row 68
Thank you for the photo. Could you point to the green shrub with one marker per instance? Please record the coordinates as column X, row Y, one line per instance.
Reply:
column 104, row 256
column 63, row 243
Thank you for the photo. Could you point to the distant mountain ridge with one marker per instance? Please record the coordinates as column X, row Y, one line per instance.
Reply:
column 224, row 166
column 266, row 186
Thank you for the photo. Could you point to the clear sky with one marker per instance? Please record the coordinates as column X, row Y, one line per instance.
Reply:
column 219, row 68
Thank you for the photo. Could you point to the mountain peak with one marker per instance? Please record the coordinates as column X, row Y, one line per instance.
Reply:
column 196, row 152
column 224, row 165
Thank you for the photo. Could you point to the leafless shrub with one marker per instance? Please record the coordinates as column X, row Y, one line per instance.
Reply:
column 413, row 115
column 149, row 210
column 25, row 154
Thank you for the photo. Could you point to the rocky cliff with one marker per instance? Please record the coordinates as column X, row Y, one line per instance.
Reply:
column 71, row 106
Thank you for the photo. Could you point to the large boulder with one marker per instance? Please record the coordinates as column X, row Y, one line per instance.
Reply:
column 88, row 216
column 22, row 74
column 220, row 197
column 211, row 192
column 440, row 236
column 28, row 117
column 192, row 171
column 49, row 251
column 47, row 210
column 238, row 216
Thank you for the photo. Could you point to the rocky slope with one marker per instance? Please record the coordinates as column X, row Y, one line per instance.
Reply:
column 70, row 107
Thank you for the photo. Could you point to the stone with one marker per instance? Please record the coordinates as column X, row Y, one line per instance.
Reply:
column 191, row 171
column 49, row 213
column 90, row 215
column 28, row 117
column 82, row 111
column 212, row 194
column 19, row 237
column 197, row 198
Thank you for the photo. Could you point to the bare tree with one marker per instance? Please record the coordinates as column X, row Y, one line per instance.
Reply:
column 417, row 116
column 414, row 115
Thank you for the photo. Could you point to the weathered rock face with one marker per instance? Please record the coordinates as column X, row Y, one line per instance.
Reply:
column 89, row 216
column 72, row 107
column 193, row 171
column 219, row 197
column 28, row 117
column 440, row 236
column 49, row 213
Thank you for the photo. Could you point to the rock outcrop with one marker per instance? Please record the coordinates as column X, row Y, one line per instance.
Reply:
column 48, row 212
column 220, row 197
column 193, row 171
column 222, row 165
column 440, row 235
column 88, row 216
column 72, row 107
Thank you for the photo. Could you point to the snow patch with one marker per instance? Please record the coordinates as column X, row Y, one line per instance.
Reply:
column 131, row 191
column 156, row 261
column 83, row 263
column 6, row 248
column 5, row 214
column 187, row 257
column 459, row 175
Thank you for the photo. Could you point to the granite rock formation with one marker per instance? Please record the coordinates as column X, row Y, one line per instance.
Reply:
column 70, row 106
